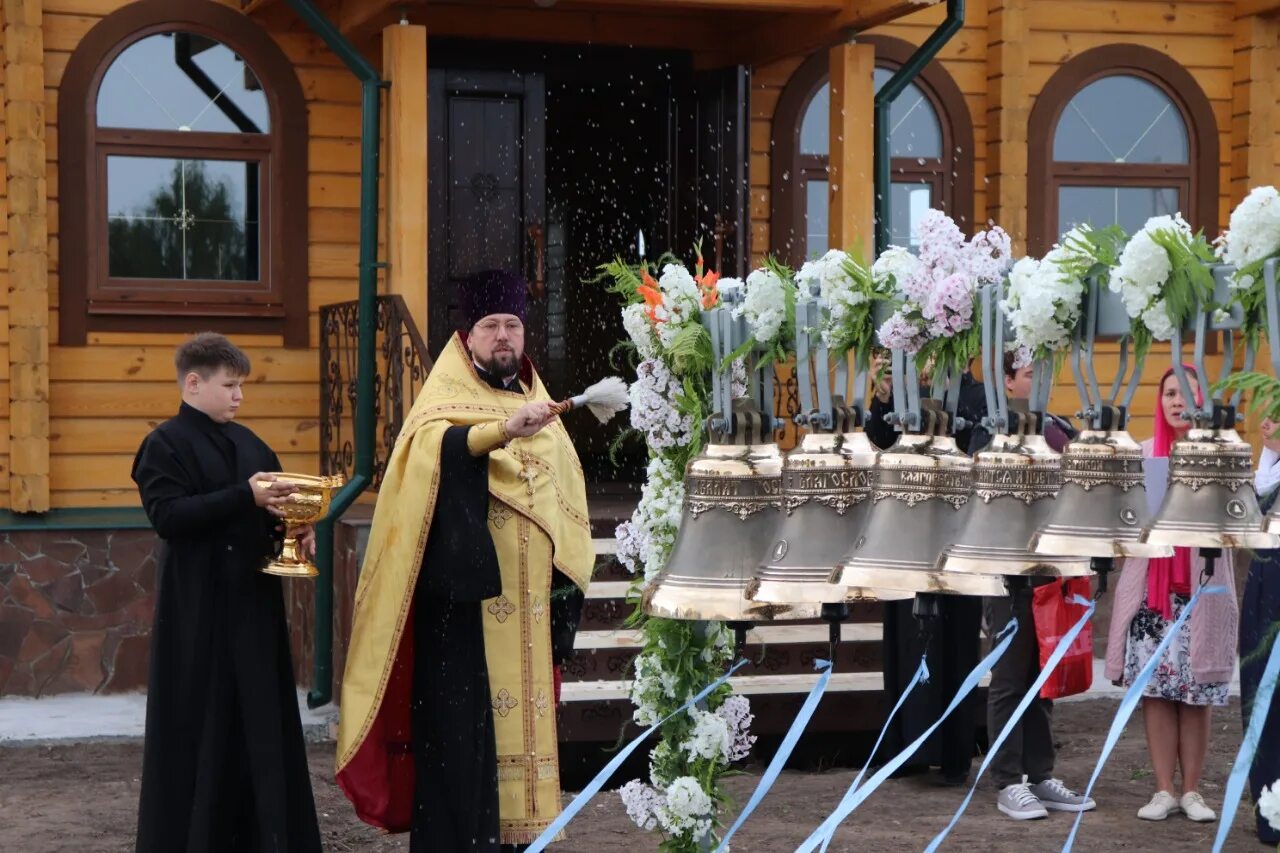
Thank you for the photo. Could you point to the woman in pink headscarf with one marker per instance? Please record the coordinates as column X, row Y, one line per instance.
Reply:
column 1195, row 671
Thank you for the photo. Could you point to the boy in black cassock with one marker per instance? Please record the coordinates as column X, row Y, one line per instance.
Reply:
column 224, row 765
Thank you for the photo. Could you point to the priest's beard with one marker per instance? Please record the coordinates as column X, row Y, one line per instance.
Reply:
column 501, row 363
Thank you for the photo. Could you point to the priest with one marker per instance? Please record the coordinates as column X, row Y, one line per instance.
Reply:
column 480, row 541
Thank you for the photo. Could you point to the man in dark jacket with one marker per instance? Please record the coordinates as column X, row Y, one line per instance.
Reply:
column 224, row 763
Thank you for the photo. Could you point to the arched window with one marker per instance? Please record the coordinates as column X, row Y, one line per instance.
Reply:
column 1120, row 134
column 931, row 145
column 182, row 146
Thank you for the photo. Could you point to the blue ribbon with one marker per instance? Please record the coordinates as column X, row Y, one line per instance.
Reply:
column 579, row 802
column 784, row 750
column 1059, row 652
column 922, row 675
column 1130, row 701
column 853, row 799
column 1257, row 719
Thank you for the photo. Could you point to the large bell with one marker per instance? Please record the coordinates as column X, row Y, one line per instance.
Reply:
column 1101, row 509
column 1014, row 484
column 826, row 490
column 919, row 487
column 732, row 503
column 1210, row 502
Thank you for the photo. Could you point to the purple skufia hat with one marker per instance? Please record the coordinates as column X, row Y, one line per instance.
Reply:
column 492, row 292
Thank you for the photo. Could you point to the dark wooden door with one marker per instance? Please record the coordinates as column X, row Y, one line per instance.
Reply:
column 711, row 157
column 486, row 166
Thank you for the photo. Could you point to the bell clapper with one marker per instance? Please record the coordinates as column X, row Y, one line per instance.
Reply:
column 1210, row 556
column 740, row 630
column 1102, row 567
column 834, row 614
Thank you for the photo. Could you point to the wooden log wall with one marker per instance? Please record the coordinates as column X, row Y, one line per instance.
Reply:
column 104, row 397
column 1001, row 60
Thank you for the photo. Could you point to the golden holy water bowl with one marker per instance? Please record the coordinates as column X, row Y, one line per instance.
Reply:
column 306, row 505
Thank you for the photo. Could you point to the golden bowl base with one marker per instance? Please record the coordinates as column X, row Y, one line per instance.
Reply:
column 290, row 569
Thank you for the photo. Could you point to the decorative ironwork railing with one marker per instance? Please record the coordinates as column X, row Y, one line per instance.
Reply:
column 403, row 365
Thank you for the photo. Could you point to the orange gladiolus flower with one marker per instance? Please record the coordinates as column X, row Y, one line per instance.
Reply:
column 652, row 296
column 710, row 293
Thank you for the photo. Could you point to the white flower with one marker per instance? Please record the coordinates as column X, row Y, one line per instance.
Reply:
column 636, row 322
column 653, row 410
column 642, row 802
column 894, row 266
column 681, row 302
column 687, row 809
column 1157, row 320
column 765, row 305
column 710, row 737
column 736, row 712
column 1043, row 303
column 1253, row 233
column 1142, row 271
column 646, row 539
column 1269, row 804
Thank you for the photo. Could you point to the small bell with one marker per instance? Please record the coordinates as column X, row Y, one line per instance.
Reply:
column 826, row 491
column 1101, row 509
column 1014, row 484
column 1210, row 502
column 732, row 503
column 919, row 487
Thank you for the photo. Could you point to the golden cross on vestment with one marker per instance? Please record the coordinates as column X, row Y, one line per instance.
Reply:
column 528, row 474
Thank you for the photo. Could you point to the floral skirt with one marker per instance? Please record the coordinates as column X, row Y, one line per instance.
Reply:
column 1172, row 679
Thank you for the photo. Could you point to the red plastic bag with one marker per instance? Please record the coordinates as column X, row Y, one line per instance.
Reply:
column 1054, row 614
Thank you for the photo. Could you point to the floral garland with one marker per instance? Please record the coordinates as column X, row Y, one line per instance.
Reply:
column 1045, row 296
column 669, row 408
column 850, row 291
column 1252, row 238
column 1160, row 276
column 936, row 321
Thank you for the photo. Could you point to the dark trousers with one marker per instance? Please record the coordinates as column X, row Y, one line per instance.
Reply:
column 1029, row 747
column 1259, row 610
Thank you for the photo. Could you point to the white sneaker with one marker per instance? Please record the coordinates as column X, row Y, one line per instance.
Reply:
column 1194, row 808
column 1161, row 806
column 1058, row 797
column 1019, row 803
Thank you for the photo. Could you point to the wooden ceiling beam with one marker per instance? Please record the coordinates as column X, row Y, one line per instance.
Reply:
column 791, row 35
column 361, row 20
column 659, row 6
column 1244, row 8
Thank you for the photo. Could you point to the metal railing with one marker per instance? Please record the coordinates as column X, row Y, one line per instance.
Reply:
column 401, row 367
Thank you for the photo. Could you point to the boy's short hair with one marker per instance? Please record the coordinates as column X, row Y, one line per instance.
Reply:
column 1010, row 358
column 208, row 351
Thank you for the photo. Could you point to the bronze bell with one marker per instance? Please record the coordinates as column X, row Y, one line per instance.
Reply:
column 732, row 502
column 1101, row 509
column 826, row 490
column 918, row 489
column 1210, row 502
column 1014, row 484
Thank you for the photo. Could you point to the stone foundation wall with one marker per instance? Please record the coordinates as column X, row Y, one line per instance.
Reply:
column 75, row 610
